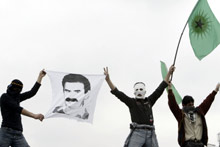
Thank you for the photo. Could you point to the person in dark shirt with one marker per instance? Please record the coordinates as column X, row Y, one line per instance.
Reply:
column 11, row 127
column 142, row 127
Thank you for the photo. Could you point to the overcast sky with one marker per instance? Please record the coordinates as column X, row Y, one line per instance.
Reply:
column 131, row 37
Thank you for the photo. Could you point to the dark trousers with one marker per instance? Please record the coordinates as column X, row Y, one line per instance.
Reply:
column 193, row 144
column 12, row 138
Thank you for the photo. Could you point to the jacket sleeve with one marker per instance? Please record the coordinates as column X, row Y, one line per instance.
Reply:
column 206, row 104
column 157, row 93
column 122, row 97
column 11, row 104
column 31, row 93
column 177, row 112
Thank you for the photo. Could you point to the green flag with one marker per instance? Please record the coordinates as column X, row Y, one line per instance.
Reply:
column 175, row 92
column 204, row 29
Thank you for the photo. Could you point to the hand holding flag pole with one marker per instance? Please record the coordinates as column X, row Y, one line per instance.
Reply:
column 165, row 75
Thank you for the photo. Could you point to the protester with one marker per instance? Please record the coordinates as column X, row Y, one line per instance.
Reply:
column 142, row 127
column 192, row 127
column 11, row 128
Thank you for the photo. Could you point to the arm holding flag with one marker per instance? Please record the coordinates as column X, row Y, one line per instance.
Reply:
column 35, row 88
column 177, row 112
column 32, row 115
column 164, row 75
column 41, row 75
column 170, row 72
column 159, row 91
column 26, row 112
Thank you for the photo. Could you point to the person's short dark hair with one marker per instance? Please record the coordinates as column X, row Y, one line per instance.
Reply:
column 187, row 99
column 139, row 83
column 74, row 78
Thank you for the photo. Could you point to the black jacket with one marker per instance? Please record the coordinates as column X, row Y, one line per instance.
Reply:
column 141, row 109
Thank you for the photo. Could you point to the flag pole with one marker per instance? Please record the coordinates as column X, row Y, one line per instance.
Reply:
column 177, row 49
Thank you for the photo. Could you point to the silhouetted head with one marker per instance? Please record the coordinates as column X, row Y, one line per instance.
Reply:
column 15, row 87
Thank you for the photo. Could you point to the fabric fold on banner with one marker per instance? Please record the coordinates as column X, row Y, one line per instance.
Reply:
column 74, row 95
column 164, row 72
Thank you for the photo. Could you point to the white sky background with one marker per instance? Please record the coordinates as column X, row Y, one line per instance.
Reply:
column 83, row 36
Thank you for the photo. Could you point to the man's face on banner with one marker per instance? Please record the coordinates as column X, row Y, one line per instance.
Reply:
column 73, row 93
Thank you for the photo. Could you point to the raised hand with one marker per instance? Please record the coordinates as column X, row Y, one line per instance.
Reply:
column 217, row 87
column 106, row 74
column 107, row 78
column 41, row 75
column 170, row 72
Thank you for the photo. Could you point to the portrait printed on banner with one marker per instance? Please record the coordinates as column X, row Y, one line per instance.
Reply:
column 76, row 90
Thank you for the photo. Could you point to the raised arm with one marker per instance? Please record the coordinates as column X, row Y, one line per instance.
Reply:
column 41, row 75
column 32, row 115
column 174, row 107
column 170, row 72
column 33, row 91
column 108, row 80
column 120, row 95
column 159, row 91
column 206, row 104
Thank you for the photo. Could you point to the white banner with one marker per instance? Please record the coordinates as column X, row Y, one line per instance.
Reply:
column 74, row 95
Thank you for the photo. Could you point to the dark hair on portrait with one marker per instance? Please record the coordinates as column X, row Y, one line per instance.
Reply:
column 187, row 99
column 74, row 78
column 139, row 83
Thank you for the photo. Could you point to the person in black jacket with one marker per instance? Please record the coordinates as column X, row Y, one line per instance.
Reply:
column 11, row 127
column 142, row 127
